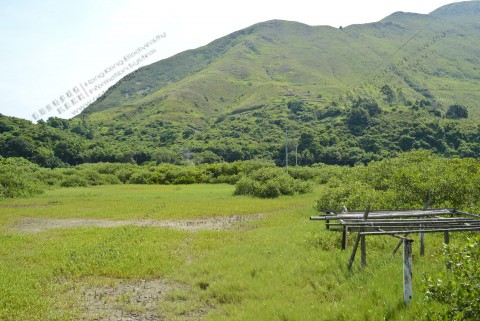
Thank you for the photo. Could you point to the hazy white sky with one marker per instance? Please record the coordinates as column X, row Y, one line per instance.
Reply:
column 50, row 47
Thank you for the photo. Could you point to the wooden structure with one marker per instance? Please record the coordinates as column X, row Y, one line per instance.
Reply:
column 399, row 224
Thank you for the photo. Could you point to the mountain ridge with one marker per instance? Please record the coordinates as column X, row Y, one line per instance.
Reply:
column 457, row 9
column 201, row 58
column 344, row 95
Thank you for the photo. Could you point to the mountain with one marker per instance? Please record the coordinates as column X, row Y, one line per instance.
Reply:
column 417, row 53
column 344, row 95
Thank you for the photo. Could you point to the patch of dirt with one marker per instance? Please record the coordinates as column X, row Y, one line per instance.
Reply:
column 35, row 225
column 130, row 301
column 24, row 206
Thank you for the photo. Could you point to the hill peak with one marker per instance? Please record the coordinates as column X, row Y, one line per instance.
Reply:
column 458, row 10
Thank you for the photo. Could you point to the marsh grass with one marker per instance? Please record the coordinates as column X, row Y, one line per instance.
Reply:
column 273, row 269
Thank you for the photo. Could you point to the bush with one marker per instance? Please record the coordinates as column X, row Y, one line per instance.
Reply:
column 74, row 180
column 245, row 186
column 17, row 178
column 270, row 183
column 49, row 177
column 141, row 177
column 457, row 111
column 207, row 157
column 408, row 181
column 458, row 290
column 174, row 174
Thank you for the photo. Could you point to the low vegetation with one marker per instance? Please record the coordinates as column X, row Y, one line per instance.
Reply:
column 409, row 181
column 257, row 178
column 270, row 183
column 456, row 292
column 279, row 266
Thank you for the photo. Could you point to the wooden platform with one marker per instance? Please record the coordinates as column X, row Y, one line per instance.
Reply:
column 399, row 224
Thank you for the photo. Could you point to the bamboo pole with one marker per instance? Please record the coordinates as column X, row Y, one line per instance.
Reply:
column 466, row 214
column 382, row 215
column 464, row 229
column 405, row 227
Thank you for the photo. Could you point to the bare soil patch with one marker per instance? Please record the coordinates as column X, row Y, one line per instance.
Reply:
column 35, row 225
column 130, row 301
column 24, row 206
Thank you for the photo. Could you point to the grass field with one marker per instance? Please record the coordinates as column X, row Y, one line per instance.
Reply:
column 278, row 266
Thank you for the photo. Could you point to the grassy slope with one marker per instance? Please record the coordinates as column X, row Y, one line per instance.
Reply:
column 280, row 58
column 284, row 267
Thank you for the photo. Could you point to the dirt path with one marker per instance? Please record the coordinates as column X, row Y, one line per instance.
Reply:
column 35, row 225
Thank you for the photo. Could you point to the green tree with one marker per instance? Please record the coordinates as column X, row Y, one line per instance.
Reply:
column 17, row 146
column 370, row 105
column 70, row 151
column 388, row 93
column 456, row 111
column 59, row 123
column 207, row 157
column 357, row 119
column 295, row 105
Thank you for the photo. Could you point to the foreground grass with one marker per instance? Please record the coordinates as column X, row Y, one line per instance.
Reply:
column 281, row 267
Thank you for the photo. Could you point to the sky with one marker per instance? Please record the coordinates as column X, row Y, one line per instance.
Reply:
column 57, row 56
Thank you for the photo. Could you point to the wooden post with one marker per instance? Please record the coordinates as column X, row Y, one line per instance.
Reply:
column 422, row 235
column 354, row 251
column 422, row 247
column 446, row 237
column 422, row 243
column 344, row 237
column 407, row 271
column 355, row 246
column 363, row 240
column 363, row 247
column 399, row 244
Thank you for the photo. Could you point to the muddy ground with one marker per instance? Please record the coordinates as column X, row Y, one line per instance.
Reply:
column 131, row 301
column 36, row 225
column 128, row 300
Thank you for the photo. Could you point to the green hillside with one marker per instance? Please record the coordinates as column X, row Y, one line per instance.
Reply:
column 344, row 95
column 427, row 56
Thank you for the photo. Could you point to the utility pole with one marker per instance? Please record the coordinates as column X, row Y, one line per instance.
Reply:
column 286, row 149
column 296, row 160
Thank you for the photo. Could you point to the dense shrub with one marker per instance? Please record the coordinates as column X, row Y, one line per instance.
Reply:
column 457, row 111
column 17, row 178
column 207, row 157
column 270, row 183
column 457, row 290
column 408, row 181
column 141, row 177
column 174, row 174
column 20, row 177
column 74, row 180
